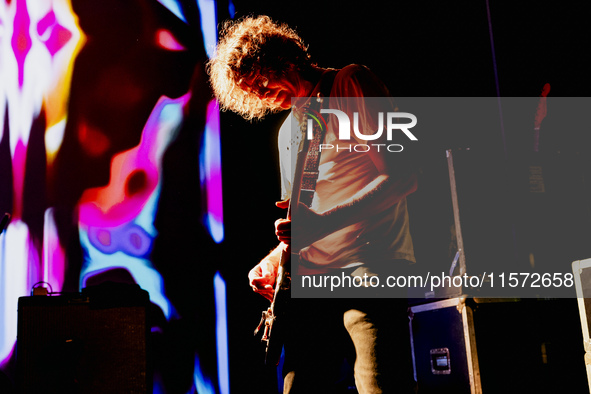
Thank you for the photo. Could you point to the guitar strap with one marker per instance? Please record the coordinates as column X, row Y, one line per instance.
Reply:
column 310, row 173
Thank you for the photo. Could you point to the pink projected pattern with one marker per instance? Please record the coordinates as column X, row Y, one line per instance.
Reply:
column 116, row 221
column 211, row 173
column 39, row 41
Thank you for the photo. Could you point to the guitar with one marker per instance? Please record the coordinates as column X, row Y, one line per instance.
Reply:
column 273, row 318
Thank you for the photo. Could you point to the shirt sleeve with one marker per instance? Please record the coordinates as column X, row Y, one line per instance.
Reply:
column 358, row 81
column 360, row 93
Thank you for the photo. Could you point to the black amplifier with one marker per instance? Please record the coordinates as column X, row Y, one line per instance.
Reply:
column 95, row 341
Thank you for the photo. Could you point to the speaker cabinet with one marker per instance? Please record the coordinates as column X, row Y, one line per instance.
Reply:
column 90, row 342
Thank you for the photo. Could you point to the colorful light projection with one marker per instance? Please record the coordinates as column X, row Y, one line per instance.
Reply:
column 210, row 171
column 39, row 41
column 116, row 221
column 211, row 181
column 221, row 328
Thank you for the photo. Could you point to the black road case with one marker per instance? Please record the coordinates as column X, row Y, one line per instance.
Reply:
column 470, row 345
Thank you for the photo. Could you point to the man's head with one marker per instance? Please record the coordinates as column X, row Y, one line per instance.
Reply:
column 255, row 55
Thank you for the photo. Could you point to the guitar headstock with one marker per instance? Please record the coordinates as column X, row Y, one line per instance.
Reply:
column 545, row 90
column 541, row 112
column 542, row 107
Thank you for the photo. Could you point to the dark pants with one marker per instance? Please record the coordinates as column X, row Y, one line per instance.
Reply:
column 372, row 334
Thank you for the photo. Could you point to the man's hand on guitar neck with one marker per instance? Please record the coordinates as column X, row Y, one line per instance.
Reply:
column 283, row 226
column 309, row 228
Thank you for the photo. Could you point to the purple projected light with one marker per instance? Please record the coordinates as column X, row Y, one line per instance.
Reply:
column 54, row 35
column 221, row 328
column 210, row 163
column 21, row 40
column 129, row 238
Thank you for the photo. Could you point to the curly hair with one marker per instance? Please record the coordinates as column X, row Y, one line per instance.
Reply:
column 253, row 46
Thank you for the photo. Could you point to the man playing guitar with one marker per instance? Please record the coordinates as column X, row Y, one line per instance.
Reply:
column 357, row 222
